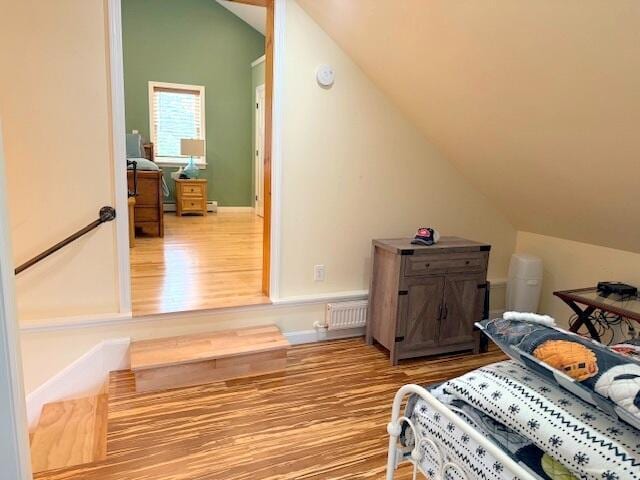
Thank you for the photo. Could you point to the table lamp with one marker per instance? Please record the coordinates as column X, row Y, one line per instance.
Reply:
column 191, row 147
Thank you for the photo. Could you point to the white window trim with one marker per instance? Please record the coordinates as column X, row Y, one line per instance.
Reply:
column 177, row 161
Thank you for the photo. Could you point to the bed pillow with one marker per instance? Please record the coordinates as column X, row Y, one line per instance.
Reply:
column 588, row 369
column 144, row 164
column 135, row 146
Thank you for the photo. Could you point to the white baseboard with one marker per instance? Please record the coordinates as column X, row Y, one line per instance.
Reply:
column 51, row 324
column 235, row 209
column 83, row 377
column 322, row 298
column 312, row 336
column 62, row 323
column 212, row 206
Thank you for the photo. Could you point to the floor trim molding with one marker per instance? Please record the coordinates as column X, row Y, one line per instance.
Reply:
column 84, row 376
column 212, row 206
column 85, row 321
column 320, row 335
column 235, row 209
column 77, row 321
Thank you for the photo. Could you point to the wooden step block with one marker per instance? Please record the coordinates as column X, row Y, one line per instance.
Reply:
column 70, row 433
column 209, row 357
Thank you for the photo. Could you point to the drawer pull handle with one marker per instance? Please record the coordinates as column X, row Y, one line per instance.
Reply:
column 446, row 311
column 427, row 265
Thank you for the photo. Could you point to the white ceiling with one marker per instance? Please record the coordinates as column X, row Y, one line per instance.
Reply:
column 254, row 16
column 536, row 102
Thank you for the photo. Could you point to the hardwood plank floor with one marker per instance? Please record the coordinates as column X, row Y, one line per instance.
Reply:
column 71, row 432
column 324, row 418
column 202, row 262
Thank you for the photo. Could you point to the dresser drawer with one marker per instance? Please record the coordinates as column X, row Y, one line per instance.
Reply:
column 193, row 190
column 192, row 204
column 146, row 214
column 445, row 263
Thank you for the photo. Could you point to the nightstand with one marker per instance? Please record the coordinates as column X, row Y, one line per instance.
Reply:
column 191, row 196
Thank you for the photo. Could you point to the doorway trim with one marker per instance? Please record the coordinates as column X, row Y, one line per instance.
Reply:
column 274, row 69
column 15, row 454
column 258, row 135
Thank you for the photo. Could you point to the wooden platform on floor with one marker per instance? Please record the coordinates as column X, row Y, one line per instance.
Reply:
column 203, row 358
column 323, row 418
column 72, row 432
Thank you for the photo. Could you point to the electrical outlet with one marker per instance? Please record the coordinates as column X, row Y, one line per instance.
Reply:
column 318, row 273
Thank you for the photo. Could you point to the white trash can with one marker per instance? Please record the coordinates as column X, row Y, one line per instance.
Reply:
column 525, row 283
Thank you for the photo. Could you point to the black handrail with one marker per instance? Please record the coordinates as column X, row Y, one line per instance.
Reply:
column 106, row 214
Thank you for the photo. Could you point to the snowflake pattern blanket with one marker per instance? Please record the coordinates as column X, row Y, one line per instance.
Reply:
column 548, row 429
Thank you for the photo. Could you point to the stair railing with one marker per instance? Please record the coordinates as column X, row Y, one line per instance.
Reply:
column 106, row 214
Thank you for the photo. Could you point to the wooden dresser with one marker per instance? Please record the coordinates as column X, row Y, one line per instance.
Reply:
column 191, row 196
column 148, row 210
column 424, row 300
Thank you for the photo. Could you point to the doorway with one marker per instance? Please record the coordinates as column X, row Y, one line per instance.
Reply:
column 208, row 251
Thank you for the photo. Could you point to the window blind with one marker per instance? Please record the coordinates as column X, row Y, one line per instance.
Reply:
column 176, row 114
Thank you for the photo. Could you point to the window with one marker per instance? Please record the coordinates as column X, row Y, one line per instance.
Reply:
column 175, row 111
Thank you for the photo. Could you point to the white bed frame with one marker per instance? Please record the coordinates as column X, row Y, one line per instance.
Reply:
column 396, row 454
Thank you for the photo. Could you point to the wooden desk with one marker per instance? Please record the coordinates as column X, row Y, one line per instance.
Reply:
column 627, row 308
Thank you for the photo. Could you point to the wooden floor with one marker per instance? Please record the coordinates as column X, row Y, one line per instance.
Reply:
column 202, row 262
column 71, row 432
column 324, row 419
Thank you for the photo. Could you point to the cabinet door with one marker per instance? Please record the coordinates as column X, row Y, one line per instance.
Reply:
column 463, row 305
column 420, row 312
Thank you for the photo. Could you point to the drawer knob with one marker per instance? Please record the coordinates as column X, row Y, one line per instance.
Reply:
column 427, row 265
column 467, row 262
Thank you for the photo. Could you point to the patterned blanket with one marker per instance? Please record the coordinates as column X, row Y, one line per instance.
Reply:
column 548, row 430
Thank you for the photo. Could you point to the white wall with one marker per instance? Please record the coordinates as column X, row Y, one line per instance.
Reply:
column 535, row 101
column 54, row 98
column 353, row 169
column 569, row 265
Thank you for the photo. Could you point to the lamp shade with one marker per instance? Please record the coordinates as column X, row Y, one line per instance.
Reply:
column 192, row 147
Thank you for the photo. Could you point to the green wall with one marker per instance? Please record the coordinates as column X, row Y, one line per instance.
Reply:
column 197, row 42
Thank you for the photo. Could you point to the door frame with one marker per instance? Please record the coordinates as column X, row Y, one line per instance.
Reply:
column 274, row 69
column 14, row 436
column 259, row 142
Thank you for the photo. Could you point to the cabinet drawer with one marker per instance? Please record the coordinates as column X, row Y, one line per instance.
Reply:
column 193, row 190
column 192, row 205
column 445, row 263
column 146, row 214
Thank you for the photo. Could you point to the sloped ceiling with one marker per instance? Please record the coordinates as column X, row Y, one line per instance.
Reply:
column 537, row 102
column 251, row 14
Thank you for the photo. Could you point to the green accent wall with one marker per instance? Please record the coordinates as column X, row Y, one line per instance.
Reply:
column 197, row 42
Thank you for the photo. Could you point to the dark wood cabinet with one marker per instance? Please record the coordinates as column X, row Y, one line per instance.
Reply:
column 424, row 300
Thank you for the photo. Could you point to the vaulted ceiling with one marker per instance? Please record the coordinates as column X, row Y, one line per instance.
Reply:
column 253, row 15
column 537, row 102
